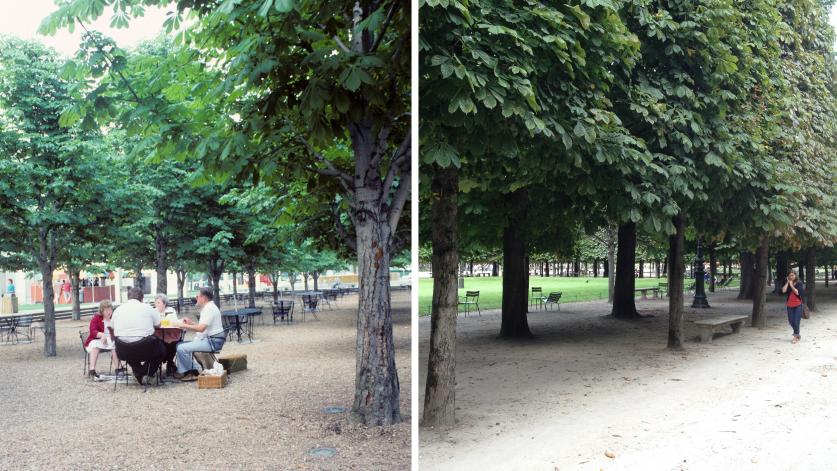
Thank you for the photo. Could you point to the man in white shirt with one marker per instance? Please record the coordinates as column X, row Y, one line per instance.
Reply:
column 209, row 336
column 133, row 328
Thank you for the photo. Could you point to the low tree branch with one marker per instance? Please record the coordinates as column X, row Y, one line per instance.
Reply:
column 399, row 200
column 333, row 171
column 341, row 229
column 385, row 26
column 398, row 158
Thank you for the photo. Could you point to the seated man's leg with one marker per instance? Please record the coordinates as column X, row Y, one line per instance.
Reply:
column 156, row 354
column 184, row 354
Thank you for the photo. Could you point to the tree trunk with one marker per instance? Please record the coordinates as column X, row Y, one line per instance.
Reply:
column 377, row 390
column 274, row 282
column 656, row 268
column 46, row 261
column 641, row 269
column 75, row 281
column 745, row 291
column 802, row 268
column 811, row 281
column 713, row 268
column 181, row 281
column 251, row 284
column 610, row 272
column 515, row 302
column 760, row 281
column 139, row 282
column 440, row 387
column 595, row 268
column 161, row 264
column 292, row 280
column 316, row 277
column 675, row 283
column 495, row 269
column 216, row 269
column 624, row 305
column 665, row 266
column 305, row 276
column 546, row 269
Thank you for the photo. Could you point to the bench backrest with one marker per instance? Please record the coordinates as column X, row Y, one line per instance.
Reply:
column 554, row 297
column 662, row 285
column 472, row 296
column 537, row 290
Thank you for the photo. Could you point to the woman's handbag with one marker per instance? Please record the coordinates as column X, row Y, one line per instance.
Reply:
column 806, row 313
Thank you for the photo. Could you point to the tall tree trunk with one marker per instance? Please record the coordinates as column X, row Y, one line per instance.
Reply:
column 251, row 283
column 665, row 266
column 802, row 266
column 624, row 305
column 760, row 281
column 514, row 321
column 75, row 282
column 216, row 269
column 316, row 277
column 181, row 281
column 656, row 268
column 495, row 269
column 274, row 282
column 292, row 280
column 139, row 282
column 610, row 272
column 46, row 257
column 745, row 291
column 305, row 276
column 161, row 264
column 377, row 391
column 595, row 268
column 440, row 387
column 641, row 269
column 235, row 284
column 811, row 280
column 713, row 268
column 675, row 283
column 546, row 269
column 576, row 268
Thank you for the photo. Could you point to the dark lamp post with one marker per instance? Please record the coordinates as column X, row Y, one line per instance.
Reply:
column 700, row 294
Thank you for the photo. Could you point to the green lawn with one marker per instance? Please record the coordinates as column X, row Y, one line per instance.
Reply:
column 490, row 288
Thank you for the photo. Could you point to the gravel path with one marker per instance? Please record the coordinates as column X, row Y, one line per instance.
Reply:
column 267, row 417
column 588, row 385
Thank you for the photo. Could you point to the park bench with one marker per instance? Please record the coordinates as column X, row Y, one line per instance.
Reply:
column 709, row 326
column 645, row 291
column 472, row 298
column 663, row 287
column 553, row 298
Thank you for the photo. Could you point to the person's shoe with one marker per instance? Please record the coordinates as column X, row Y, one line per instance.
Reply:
column 189, row 377
column 93, row 374
column 139, row 379
column 178, row 375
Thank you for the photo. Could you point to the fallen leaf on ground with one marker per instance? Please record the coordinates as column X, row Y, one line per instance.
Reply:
column 610, row 454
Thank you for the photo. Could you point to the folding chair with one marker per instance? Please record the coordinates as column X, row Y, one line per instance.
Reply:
column 82, row 334
column 309, row 304
column 472, row 298
column 284, row 310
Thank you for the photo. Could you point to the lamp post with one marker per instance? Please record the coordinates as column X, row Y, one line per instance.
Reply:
column 700, row 294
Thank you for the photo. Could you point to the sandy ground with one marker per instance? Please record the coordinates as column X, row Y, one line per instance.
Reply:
column 268, row 417
column 590, row 384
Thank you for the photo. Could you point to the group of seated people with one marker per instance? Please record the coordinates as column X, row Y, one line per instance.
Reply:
column 129, row 333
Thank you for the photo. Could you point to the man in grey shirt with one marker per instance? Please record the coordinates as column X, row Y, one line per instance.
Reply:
column 133, row 326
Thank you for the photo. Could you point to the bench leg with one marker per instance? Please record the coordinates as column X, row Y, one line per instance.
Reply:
column 645, row 296
column 706, row 335
column 736, row 327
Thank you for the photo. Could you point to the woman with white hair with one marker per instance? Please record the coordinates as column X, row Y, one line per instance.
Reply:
column 170, row 335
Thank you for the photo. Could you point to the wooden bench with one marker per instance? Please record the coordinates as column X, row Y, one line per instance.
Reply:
column 645, row 291
column 708, row 327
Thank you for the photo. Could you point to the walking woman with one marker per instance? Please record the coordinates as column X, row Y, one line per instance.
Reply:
column 796, row 293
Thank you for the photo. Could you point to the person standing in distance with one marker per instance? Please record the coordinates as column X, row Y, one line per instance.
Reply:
column 796, row 293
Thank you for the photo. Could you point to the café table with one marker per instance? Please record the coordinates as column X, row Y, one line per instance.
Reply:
column 235, row 315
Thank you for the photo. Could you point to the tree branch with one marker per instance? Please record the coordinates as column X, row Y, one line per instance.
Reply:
column 385, row 26
column 332, row 170
column 340, row 43
column 398, row 200
column 381, row 148
column 341, row 229
column 398, row 158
